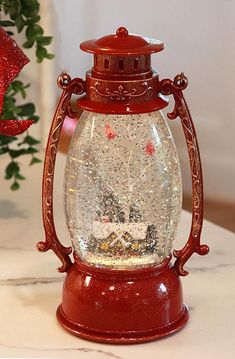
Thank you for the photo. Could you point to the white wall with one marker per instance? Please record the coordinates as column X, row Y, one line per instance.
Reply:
column 199, row 37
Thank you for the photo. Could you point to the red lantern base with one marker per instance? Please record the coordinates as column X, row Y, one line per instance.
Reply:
column 122, row 306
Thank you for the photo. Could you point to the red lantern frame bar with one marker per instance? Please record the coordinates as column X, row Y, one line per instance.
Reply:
column 193, row 245
column 75, row 86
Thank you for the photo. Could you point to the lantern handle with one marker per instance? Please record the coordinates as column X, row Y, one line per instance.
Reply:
column 175, row 88
column 75, row 86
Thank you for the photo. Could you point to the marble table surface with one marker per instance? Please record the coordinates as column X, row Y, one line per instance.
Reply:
column 30, row 288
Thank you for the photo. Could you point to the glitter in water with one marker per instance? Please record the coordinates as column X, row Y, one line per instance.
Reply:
column 123, row 190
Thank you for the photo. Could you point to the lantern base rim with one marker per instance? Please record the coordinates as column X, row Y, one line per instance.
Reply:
column 121, row 337
column 122, row 307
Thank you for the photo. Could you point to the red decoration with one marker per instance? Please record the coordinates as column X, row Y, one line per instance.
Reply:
column 109, row 133
column 12, row 60
column 150, row 149
column 105, row 219
column 14, row 127
column 129, row 305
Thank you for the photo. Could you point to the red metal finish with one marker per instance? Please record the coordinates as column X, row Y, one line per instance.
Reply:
column 158, row 104
column 63, row 108
column 121, row 80
column 119, row 306
column 181, row 109
column 122, row 43
column 131, row 91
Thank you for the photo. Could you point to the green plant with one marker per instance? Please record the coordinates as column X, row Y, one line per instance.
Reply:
column 21, row 16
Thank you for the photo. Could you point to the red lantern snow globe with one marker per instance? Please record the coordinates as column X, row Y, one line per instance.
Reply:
column 123, row 196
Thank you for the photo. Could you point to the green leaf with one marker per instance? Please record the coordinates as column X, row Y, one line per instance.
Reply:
column 5, row 140
column 20, row 177
column 14, row 9
column 35, row 118
column 33, row 31
column 23, row 93
column 18, row 86
column 9, row 89
column 30, row 150
column 28, row 44
column 6, row 23
column 44, row 40
column 30, row 8
column 19, row 23
column 11, row 170
column 27, row 109
column 35, row 160
column 41, row 53
column 16, row 153
column 3, row 150
column 5, row 9
column 32, row 20
column 15, row 186
column 15, row 110
column 31, row 140
column 9, row 108
column 50, row 56
column 7, row 115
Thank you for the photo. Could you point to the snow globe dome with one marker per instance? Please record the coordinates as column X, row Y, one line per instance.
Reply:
column 123, row 189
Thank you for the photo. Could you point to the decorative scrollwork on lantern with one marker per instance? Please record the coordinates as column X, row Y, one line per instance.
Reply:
column 175, row 88
column 75, row 86
column 120, row 94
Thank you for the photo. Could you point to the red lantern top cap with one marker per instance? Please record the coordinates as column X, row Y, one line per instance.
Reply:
column 122, row 43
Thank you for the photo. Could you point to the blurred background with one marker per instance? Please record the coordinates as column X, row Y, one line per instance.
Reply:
column 199, row 37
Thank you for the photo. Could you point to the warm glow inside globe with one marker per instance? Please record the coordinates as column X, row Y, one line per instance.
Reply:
column 123, row 190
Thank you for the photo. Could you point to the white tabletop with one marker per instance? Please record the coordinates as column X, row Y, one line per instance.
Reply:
column 30, row 288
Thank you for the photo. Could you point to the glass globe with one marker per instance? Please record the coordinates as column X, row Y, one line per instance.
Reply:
column 123, row 190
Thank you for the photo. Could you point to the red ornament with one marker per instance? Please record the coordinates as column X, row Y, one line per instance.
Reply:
column 12, row 59
column 150, row 149
column 14, row 127
column 109, row 133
